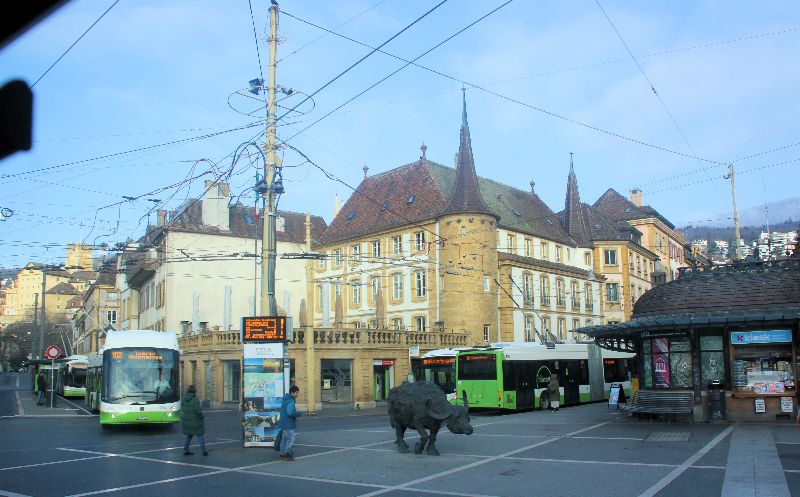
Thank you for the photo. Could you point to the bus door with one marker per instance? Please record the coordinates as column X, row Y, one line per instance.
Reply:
column 570, row 380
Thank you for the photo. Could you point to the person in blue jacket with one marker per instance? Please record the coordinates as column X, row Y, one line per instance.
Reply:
column 288, row 422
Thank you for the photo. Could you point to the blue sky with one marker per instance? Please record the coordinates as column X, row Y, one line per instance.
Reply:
column 151, row 97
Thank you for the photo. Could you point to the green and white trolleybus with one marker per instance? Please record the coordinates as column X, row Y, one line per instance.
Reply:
column 72, row 380
column 515, row 375
column 134, row 379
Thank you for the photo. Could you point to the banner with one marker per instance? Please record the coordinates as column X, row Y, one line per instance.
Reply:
column 660, row 357
column 263, row 377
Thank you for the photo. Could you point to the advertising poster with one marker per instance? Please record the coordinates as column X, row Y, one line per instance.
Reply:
column 660, row 355
column 263, row 388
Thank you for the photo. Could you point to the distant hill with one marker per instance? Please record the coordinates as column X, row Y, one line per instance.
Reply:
column 7, row 273
column 748, row 233
column 779, row 211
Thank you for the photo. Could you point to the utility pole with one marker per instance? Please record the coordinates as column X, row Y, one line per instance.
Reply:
column 42, row 323
column 268, row 243
column 34, row 355
column 730, row 175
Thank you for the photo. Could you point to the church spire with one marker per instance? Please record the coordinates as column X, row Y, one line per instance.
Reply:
column 573, row 212
column 466, row 196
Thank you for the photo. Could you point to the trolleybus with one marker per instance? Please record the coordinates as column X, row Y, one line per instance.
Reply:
column 438, row 366
column 134, row 379
column 72, row 380
column 515, row 375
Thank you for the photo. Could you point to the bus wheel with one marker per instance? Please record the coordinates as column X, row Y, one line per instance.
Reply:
column 544, row 402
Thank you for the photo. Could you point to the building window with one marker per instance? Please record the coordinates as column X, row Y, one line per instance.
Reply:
column 528, row 328
column 587, row 298
column 633, row 294
column 510, row 243
column 562, row 332
column 544, row 290
column 612, row 292
column 486, row 333
column 463, row 231
column 545, row 251
column 323, row 262
column 376, row 248
column 111, row 317
column 397, row 245
column 630, row 260
column 397, row 286
column 573, row 290
column 231, row 379
column 337, row 258
column 112, row 296
column 419, row 241
column 587, row 258
column 576, row 323
column 356, row 292
column 546, row 324
column 560, row 297
column 375, row 283
column 638, row 265
column 528, row 247
column 611, row 257
column 486, row 286
column 357, row 253
column 419, row 322
column 527, row 289
column 419, row 277
column 558, row 253
column 397, row 324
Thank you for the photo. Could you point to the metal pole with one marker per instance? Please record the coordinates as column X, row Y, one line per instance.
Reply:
column 268, row 304
column 41, row 324
column 33, row 331
column 52, row 368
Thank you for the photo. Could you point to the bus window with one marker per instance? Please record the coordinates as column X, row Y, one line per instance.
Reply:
column 477, row 367
column 615, row 370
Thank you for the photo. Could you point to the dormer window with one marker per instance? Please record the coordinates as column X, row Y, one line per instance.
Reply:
column 351, row 215
column 410, row 199
column 385, row 205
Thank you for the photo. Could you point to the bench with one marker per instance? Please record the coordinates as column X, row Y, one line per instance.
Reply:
column 661, row 402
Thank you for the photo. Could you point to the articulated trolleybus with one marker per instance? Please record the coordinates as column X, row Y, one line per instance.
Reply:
column 72, row 380
column 515, row 375
column 134, row 379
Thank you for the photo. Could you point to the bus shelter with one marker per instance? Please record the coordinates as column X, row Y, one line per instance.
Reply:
column 727, row 333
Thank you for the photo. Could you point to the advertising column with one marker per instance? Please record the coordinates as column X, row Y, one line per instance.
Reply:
column 263, row 375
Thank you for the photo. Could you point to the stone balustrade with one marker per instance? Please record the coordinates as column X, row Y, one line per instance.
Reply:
column 333, row 337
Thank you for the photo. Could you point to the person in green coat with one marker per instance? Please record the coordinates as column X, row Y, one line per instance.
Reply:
column 192, row 418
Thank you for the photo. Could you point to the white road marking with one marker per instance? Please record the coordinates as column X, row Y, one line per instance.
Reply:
column 662, row 483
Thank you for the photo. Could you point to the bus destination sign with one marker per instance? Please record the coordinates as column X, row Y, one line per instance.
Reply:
column 263, row 329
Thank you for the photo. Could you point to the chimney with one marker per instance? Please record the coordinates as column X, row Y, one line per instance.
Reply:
column 162, row 217
column 215, row 205
column 636, row 197
column 336, row 203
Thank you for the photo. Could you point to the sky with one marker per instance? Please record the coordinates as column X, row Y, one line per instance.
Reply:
column 151, row 101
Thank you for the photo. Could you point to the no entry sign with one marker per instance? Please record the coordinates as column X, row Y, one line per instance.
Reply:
column 52, row 352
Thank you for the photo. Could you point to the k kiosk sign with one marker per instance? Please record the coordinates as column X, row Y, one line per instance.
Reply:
column 265, row 376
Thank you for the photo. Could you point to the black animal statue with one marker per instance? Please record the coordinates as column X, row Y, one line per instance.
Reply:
column 423, row 406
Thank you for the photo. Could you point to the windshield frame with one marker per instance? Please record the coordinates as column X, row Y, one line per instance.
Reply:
column 130, row 381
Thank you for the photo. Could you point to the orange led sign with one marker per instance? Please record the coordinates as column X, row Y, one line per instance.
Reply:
column 264, row 329
column 478, row 357
column 445, row 361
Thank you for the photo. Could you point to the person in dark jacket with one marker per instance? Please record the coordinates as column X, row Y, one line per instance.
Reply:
column 192, row 418
column 554, row 392
column 288, row 422
column 41, row 386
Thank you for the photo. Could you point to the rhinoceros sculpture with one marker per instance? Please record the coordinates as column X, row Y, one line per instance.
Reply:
column 423, row 406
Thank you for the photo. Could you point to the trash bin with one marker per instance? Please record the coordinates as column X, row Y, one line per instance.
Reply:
column 716, row 400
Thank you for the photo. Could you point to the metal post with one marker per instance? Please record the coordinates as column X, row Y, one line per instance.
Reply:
column 33, row 331
column 42, row 323
column 268, row 304
column 52, row 387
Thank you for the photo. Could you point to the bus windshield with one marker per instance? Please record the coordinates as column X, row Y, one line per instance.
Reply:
column 477, row 367
column 141, row 376
column 440, row 370
column 75, row 377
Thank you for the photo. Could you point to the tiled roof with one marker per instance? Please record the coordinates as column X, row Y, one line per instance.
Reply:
column 761, row 285
column 431, row 184
column 614, row 205
column 244, row 222
column 601, row 227
column 63, row 289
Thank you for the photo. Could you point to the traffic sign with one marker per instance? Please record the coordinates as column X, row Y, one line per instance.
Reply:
column 52, row 352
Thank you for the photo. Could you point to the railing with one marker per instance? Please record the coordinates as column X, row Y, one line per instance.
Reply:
column 342, row 337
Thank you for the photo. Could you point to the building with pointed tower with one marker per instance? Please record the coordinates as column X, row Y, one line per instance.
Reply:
column 616, row 249
column 426, row 256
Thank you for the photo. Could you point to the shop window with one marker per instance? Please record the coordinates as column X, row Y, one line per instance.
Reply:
column 712, row 359
column 667, row 363
column 762, row 362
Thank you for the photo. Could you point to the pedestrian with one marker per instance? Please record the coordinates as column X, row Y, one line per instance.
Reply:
column 41, row 386
column 192, row 418
column 554, row 392
column 288, row 422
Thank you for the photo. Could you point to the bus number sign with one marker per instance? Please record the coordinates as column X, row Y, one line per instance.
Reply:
column 264, row 329
column 479, row 357
column 435, row 361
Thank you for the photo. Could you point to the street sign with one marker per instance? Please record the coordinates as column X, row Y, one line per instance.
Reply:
column 52, row 352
